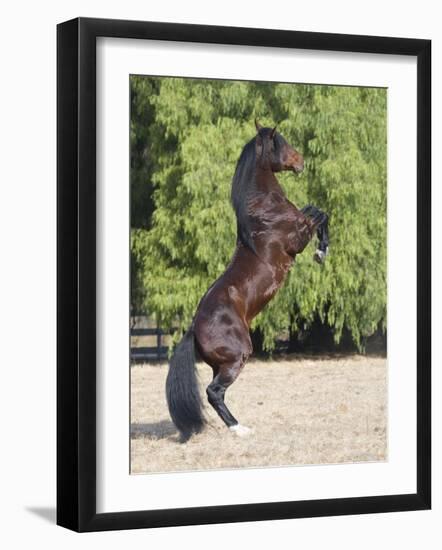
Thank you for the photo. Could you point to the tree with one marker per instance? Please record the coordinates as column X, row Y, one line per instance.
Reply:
column 195, row 136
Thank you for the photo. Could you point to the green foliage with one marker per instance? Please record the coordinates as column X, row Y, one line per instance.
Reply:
column 188, row 135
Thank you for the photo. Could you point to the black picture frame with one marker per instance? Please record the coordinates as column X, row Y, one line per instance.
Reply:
column 76, row 274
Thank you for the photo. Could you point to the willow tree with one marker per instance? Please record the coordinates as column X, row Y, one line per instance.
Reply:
column 195, row 137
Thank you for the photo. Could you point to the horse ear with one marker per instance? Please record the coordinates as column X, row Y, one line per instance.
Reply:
column 257, row 125
column 272, row 133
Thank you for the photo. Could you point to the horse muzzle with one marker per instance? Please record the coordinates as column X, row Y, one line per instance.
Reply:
column 296, row 163
column 298, row 167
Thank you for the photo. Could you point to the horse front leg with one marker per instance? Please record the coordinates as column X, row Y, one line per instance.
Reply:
column 320, row 220
column 322, row 233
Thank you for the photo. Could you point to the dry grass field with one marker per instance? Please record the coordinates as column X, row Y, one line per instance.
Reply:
column 302, row 411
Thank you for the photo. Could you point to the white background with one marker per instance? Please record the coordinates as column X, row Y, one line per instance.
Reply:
column 27, row 218
column 116, row 489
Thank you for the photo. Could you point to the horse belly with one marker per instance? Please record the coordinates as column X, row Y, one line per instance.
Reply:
column 264, row 288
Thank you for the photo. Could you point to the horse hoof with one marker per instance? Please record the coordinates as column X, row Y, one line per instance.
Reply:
column 240, row 431
column 319, row 255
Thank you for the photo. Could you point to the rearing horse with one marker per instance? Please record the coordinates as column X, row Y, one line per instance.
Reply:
column 271, row 231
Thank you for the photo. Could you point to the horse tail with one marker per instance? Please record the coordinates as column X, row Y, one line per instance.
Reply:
column 183, row 396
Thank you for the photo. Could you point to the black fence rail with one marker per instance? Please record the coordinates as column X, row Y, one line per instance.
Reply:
column 146, row 353
column 317, row 340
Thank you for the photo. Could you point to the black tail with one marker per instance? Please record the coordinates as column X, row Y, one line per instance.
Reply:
column 183, row 397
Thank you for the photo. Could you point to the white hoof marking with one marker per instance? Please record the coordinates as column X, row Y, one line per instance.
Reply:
column 320, row 255
column 240, row 430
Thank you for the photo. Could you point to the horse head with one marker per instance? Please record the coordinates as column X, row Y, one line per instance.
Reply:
column 274, row 153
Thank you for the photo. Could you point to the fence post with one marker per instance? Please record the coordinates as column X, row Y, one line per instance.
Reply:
column 158, row 342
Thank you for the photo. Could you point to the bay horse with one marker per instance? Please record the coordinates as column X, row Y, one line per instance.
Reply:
column 271, row 231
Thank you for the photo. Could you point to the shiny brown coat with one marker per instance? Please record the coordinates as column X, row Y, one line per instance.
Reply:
column 271, row 232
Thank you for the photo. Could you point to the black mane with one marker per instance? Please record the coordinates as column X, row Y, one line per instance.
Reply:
column 243, row 189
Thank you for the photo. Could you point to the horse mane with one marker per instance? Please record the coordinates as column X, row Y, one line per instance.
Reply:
column 243, row 189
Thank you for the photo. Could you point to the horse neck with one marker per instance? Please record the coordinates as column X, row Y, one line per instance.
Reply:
column 266, row 182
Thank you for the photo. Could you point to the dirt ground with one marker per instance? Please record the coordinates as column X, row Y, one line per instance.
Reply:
column 302, row 411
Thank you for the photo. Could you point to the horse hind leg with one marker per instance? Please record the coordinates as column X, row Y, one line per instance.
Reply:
column 226, row 375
